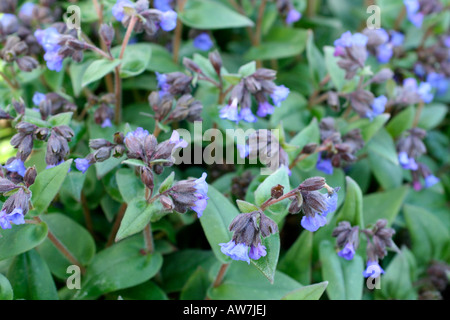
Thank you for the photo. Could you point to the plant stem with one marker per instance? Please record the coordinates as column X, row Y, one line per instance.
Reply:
column 272, row 201
column 257, row 37
column 220, row 275
column 148, row 236
column 116, row 225
column 400, row 18
column 178, row 33
column 418, row 113
column 10, row 84
column 87, row 214
column 62, row 248
column 301, row 156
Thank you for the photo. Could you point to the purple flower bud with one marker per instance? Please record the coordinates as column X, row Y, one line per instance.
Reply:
column 230, row 111
column 324, row 165
column 264, row 108
column 203, row 42
column 257, row 252
column 139, row 134
column 407, row 162
column 247, row 115
column 373, row 270
column 38, row 98
column 347, row 252
column 168, row 20
column 348, row 40
column 293, row 16
column 417, row 185
column 18, row 166
column 431, row 180
column 162, row 5
column 397, row 38
column 313, row 223
column 118, row 10
column 16, row 217
column 235, row 251
column 279, row 94
column 82, row 164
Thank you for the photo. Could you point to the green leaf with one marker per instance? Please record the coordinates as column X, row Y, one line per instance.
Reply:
column 130, row 186
column 280, row 42
column 312, row 292
column 383, row 146
column 383, row 205
column 118, row 267
column 73, row 184
column 167, row 183
column 97, row 70
column 244, row 283
column 145, row 291
column 396, row 282
column 247, row 69
column 134, row 162
column 78, row 242
column 279, row 210
column 316, row 61
column 135, row 59
column 60, row 119
column 47, row 185
column 77, row 71
column 215, row 221
column 137, row 216
column 352, row 210
column 210, row 15
column 161, row 60
column 337, row 74
column 21, row 238
column 30, row 278
column 387, row 173
column 246, row 207
column 429, row 236
column 309, row 134
column 6, row 291
column 368, row 128
column 432, row 115
column 297, row 262
column 268, row 264
column 197, row 286
column 401, row 122
column 345, row 278
column 180, row 265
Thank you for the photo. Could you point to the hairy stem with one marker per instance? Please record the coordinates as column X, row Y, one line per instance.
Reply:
column 116, row 225
column 220, row 275
column 259, row 21
column 148, row 236
column 178, row 33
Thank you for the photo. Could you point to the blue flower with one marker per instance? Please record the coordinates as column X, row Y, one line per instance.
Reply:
column 49, row 166
column 244, row 150
column 162, row 5
column 18, row 166
column 279, row 94
column 161, row 78
column 139, row 134
column 384, row 53
column 106, row 123
column 118, row 10
column 324, row 165
column 419, row 70
column 257, row 252
column 424, row 90
column 293, row 16
column 9, row 23
column 397, row 38
column 168, row 20
column 247, row 115
column 38, row 98
column 347, row 252
column 412, row 10
column 438, row 81
column 82, row 164
column 348, row 40
column 431, row 180
column 175, row 139
column 26, row 10
column 264, row 108
column 235, row 251
column 49, row 39
column 230, row 111
column 407, row 162
column 331, row 202
column 313, row 223
column 203, row 42
column 16, row 217
column 373, row 270
column 378, row 107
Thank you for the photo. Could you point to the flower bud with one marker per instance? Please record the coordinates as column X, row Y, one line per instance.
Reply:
column 216, row 61
column 382, row 75
column 119, row 138
column 277, row 191
column 41, row 133
column 102, row 154
column 98, row 143
column 27, row 64
column 166, row 202
column 6, row 185
column 147, row 177
column 191, row 65
column 312, row 184
column 107, row 34
column 30, row 176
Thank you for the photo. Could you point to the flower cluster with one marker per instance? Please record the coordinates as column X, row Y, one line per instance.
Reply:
column 287, row 9
column 382, row 43
column 260, row 85
column 174, row 83
column 315, row 205
column 248, row 228
column 351, row 48
column 149, row 20
column 337, row 150
column 347, row 238
column 416, row 10
column 186, row 108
